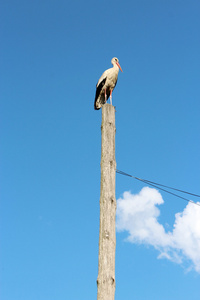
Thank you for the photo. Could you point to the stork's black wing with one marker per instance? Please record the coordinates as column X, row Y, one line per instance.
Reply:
column 98, row 91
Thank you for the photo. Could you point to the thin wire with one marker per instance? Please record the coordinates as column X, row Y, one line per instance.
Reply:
column 148, row 181
column 157, row 185
column 195, row 195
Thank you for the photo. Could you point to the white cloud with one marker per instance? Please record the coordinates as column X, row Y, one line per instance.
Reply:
column 139, row 215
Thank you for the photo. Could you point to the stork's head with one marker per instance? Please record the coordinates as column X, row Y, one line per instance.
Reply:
column 115, row 61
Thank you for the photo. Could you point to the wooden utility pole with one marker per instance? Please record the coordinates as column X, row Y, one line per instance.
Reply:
column 107, row 235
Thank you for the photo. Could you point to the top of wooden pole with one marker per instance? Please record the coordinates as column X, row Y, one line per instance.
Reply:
column 108, row 110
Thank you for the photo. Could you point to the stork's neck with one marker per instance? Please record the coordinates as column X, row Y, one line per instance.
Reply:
column 116, row 68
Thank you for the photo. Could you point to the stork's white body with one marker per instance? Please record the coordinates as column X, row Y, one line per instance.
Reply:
column 106, row 84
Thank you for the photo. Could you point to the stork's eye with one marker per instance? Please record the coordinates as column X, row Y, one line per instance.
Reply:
column 115, row 59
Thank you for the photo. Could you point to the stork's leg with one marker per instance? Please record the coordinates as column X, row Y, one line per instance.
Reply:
column 105, row 95
column 111, row 97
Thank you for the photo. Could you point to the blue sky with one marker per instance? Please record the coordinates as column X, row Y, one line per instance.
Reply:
column 52, row 55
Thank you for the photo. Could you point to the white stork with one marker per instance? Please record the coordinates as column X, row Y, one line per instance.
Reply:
column 106, row 84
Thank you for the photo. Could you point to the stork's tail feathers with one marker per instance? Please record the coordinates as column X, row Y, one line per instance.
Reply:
column 99, row 102
column 96, row 107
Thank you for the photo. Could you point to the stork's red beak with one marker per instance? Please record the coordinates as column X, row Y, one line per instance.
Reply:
column 119, row 66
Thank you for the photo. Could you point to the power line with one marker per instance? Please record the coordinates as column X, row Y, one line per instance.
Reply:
column 158, row 185
column 148, row 181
